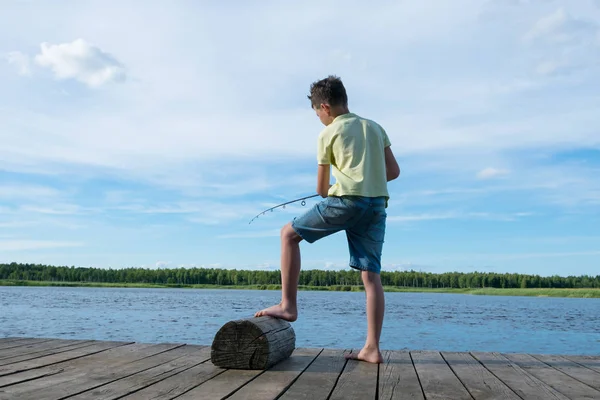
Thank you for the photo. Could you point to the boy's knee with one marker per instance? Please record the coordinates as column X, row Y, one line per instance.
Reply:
column 370, row 277
column 289, row 234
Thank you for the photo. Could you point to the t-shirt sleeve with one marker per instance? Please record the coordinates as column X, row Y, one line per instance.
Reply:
column 386, row 139
column 323, row 150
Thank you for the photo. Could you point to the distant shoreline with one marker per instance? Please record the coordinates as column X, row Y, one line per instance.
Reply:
column 530, row 292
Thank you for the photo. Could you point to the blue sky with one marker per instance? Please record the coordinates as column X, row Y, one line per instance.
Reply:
column 150, row 136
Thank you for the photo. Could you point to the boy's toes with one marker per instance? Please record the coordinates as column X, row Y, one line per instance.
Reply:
column 366, row 355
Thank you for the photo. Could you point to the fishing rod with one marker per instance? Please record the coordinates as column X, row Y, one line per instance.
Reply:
column 303, row 199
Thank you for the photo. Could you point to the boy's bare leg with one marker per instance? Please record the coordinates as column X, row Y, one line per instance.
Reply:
column 290, row 272
column 375, row 311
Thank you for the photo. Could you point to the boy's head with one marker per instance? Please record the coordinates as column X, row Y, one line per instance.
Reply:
column 328, row 98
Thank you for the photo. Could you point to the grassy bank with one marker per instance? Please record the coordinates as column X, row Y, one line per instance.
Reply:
column 580, row 293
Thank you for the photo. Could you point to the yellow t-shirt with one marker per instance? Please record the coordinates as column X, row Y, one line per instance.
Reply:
column 354, row 147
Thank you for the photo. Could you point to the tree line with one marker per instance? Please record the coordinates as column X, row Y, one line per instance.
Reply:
column 227, row 277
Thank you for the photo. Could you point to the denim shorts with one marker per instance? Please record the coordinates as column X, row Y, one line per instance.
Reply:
column 362, row 218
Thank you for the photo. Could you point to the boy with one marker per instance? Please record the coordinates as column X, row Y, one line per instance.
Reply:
column 359, row 152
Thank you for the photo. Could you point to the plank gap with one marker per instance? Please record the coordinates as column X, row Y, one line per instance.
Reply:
column 44, row 353
column 24, row 342
column 456, row 375
column 61, row 361
column 497, row 377
column 126, row 376
column 285, row 389
column 166, row 377
column 155, row 354
column 33, row 378
column 246, row 383
column 575, row 361
column 338, row 379
column 417, row 373
column 555, row 378
column 201, row 383
column 563, row 372
column 377, row 384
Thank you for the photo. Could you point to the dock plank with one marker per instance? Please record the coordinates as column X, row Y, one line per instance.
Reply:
column 480, row 382
column 319, row 378
column 47, row 349
column 221, row 385
column 19, row 343
column 437, row 379
column 277, row 378
column 358, row 381
column 132, row 382
column 112, row 357
column 179, row 384
column 524, row 384
column 35, row 347
column 574, row 370
column 590, row 362
column 558, row 380
column 54, row 369
column 56, row 358
column 398, row 377
column 76, row 381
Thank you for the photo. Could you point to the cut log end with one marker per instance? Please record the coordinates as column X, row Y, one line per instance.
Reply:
column 253, row 343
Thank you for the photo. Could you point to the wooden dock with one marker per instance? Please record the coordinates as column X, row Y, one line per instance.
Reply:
column 34, row 368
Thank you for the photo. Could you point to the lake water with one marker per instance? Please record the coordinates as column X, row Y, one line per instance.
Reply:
column 415, row 321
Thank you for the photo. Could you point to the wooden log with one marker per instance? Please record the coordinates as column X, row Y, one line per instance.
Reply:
column 253, row 343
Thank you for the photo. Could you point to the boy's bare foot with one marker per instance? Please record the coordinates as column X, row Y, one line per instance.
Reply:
column 367, row 354
column 278, row 311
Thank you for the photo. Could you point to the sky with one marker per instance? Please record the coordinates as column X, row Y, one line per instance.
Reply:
column 149, row 135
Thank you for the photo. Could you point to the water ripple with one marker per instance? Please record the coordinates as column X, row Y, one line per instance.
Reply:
column 448, row 322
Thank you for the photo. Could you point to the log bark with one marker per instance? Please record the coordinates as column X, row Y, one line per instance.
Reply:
column 253, row 343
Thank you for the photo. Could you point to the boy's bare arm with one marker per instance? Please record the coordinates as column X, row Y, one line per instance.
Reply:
column 392, row 169
column 323, row 178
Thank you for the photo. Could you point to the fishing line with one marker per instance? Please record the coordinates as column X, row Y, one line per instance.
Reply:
column 303, row 203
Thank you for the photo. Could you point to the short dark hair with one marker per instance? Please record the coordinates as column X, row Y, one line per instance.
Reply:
column 330, row 90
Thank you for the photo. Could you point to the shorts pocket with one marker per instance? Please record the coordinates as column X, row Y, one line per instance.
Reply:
column 336, row 212
column 375, row 229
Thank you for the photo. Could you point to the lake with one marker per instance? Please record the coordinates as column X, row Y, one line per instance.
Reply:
column 414, row 321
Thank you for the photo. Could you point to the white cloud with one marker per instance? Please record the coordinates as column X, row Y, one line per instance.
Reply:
column 265, row 267
column 20, row 61
column 19, row 245
column 489, row 173
column 205, row 99
column 203, row 212
column 422, row 217
column 163, row 264
column 567, row 42
column 549, row 67
column 30, row 192
column 404, row 266
column 504, row 256
column 258, row 234
column 490, row 216
column 548, row 25
column 4, row 210
column 82, row 61
column 55, row 209
column 17, row 223
column 213, row 265
column 342, row 55
column 162, row 128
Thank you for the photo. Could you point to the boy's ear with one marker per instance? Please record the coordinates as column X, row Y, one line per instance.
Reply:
column 326, row 107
